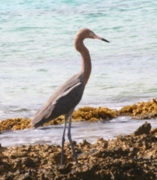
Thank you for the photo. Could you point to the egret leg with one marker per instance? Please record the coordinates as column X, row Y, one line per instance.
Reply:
column 63, row 139
column 70, row 140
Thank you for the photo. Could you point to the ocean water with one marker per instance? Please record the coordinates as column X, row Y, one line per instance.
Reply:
column 37, row 52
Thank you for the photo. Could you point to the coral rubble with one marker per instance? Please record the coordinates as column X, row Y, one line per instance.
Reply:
column 130, row 157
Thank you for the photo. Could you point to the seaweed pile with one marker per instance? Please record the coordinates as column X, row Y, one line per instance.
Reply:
column 142, row 110
column 82, row 114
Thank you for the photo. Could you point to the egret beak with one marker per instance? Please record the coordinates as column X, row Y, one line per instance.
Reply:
column 97, row 37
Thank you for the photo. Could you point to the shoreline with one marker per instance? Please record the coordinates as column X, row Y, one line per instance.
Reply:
column 127, row 157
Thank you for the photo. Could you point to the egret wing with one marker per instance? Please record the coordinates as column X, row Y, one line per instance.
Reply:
column 61, row 105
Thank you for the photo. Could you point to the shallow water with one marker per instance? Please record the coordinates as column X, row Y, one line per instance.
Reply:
column 80, row 131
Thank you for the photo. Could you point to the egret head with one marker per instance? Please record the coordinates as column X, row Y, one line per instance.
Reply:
column 87, row 33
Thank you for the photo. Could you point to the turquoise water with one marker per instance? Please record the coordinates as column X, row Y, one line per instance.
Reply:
column 37, row 52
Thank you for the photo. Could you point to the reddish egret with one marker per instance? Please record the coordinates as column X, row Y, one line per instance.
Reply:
column 64, row 100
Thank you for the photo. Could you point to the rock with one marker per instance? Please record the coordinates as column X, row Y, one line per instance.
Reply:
column 130, row 157
column 143, row 129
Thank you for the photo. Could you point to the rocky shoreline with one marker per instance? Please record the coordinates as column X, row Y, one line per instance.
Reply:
column 129, row 157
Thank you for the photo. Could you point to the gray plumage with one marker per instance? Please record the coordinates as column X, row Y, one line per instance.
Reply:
column 62, row 101
column 66, row 97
